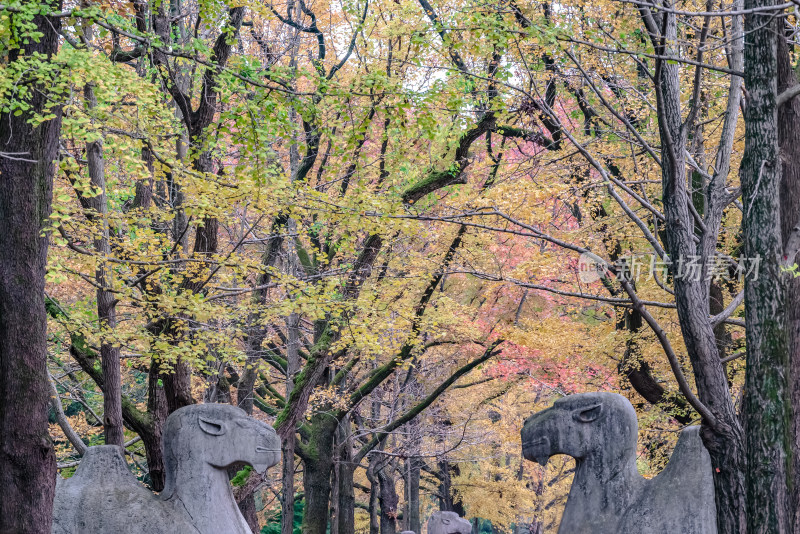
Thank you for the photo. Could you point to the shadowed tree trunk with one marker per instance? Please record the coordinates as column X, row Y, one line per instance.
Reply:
column 789, row 141
column 27, row 460
column 287, row 472
column 448, row 501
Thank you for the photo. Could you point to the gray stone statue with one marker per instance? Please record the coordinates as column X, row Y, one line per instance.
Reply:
column 200, row 443
column 608, row 495
column 448, row 523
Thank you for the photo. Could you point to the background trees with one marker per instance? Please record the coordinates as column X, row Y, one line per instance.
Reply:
column 361, row 221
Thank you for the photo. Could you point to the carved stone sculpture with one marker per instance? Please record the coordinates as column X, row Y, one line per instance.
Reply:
column 200, row 443
column 448, row 523
column 608, row 495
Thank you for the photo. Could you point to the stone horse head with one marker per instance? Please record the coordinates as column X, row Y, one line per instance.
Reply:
column 200, row 443
column 608, row 495
column 448, row 523
column 218, row 435
column 582, row 426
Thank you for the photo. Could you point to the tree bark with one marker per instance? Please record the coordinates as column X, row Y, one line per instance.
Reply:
column 412, row 518
column 287, row 477
column 388, row 497
column 374, row 496
column 767, row 408
column 317, row 474
column 448, row 501
column 789, row 141
column 27, row 459
column 346, row 521
column 158, row 411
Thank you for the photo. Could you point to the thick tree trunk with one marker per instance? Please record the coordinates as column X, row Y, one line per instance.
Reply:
column 789, row 141
column 27, row 460
column 767, row 407
column 448, row 501
column 287, row 485
column 317, row 470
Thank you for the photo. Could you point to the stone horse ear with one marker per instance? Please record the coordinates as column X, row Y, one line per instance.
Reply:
column 215, row 427
column 588, row 414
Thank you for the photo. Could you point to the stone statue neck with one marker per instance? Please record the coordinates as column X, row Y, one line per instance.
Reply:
column 604, row 486
column 199, row 487
column 608, row 467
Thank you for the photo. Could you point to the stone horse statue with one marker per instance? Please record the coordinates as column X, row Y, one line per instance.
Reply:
column 200, row 443
column 448, row 523
column 608, row 495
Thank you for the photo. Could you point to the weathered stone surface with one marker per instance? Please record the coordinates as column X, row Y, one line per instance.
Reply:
column 200, row 443
column 608, row 495
column 448, row 523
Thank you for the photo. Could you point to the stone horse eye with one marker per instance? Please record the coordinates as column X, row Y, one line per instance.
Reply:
column 211, row 426
column 589, row 414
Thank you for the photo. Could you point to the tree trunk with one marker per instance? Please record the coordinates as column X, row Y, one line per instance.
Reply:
column 789, row 141
column 724, row 439
column 27, row 460
column 448, row 501
column 292, row 365
column 157, row 410
column 412, row 519
column 388, row 498
column 346, row 521
column 97, row 208
column 317, row 470
column 767, row 408
column 287, row 485
column 374, row 495
column 247, row 507
column 412, row 469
